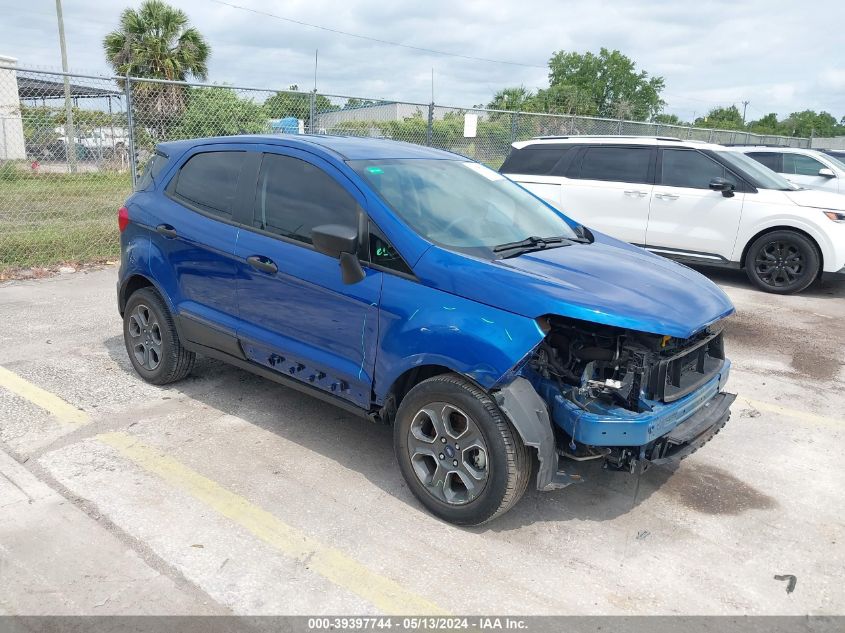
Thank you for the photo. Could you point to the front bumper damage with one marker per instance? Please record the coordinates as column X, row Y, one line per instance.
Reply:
column 559, row 430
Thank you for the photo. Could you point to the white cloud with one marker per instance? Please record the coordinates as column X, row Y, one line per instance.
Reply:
column 712, row 52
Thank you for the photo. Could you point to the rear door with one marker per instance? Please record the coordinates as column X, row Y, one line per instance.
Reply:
column 297, row 316
column 193, row 234
column 687, row 218
column 609, row 188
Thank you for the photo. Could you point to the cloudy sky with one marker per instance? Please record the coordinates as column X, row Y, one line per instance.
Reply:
column 780, row 55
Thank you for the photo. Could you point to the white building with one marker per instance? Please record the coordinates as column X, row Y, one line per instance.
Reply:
column 12, row 145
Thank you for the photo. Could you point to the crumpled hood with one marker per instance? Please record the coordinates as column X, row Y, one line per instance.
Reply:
column 608, row 282
column 817, row 199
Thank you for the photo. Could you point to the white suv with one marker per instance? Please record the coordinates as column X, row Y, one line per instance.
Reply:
column 694, row 202
column 805, row 167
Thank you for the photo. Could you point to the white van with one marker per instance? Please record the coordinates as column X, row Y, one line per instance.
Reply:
column 695, row 202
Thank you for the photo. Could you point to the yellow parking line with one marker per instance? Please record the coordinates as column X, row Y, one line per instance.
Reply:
column 344, row 571
column 804, row 416
column 64, row 412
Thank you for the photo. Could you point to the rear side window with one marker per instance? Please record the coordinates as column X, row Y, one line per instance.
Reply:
column 801, row 165
column 209, row 182
column 691, row 169
column 537, row 160
column 772, row 160
column 151, row 171
column 294, row 196
column 617, row 164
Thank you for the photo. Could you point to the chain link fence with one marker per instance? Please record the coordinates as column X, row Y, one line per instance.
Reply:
column 72, row 145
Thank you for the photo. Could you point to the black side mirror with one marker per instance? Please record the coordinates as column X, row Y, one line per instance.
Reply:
column 340, row 242
column 724, row 185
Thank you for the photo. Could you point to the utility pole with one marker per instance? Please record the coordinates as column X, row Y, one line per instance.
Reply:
column 69, row 131
column 744, row 106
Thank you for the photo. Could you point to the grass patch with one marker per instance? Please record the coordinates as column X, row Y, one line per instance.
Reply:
column 51, row 218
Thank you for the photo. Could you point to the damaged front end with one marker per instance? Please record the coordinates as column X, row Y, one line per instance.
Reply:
column 625, row 397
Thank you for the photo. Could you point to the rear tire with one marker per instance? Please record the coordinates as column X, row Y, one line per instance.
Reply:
column 457, row 451
column 151, row 340
column 782, row 262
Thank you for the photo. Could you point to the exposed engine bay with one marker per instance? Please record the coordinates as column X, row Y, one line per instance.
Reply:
column 598, row 364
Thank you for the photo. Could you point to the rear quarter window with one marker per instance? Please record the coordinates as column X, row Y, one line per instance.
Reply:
column 151, row 171
column 535, row 160
column 772, row 160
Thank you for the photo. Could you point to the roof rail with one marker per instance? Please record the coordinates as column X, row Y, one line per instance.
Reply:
column 659, row 138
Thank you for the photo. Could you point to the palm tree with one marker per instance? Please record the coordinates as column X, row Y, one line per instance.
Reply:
column 156, row 41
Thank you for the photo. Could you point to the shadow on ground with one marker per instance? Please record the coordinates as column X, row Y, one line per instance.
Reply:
column 738, row 279
column 368, row 448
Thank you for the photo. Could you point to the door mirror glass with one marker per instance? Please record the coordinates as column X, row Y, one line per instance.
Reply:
column 340, row 242
column 826, row 173
column 724, row 185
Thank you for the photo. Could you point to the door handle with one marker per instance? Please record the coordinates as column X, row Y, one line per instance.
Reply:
column 166, row 230
column 264, row 264
column 667, row 196
column 632, row 192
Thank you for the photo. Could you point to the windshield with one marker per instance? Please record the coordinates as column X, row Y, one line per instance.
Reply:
column 459, row 205
column 758, row 174
column 836, row 160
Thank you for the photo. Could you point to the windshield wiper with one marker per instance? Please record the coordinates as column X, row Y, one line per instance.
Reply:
column 531, row 242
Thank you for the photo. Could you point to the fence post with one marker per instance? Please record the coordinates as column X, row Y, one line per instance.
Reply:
column 514, row 125
column 130, row 123
column 313, row 113
column 430, row 127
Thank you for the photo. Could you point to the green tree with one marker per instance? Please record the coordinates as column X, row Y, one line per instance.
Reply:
column 297, row 104
column 768, row 124
column 609, row 81
column 722, row 119
column 219, row 111
column 669, row 119
column 156, row 41
column 518, row 98
column 811, row 123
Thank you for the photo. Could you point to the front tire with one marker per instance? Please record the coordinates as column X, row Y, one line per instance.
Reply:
column 458, row 453
column 782, row 262
column 151, row 340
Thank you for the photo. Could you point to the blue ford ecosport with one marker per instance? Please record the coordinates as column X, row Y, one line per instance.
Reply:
column 426, row 291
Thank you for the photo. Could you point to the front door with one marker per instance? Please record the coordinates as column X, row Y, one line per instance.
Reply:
column 687, row 218
column 296, row 314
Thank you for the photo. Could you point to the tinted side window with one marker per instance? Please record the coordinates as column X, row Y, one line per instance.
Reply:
column 618, row 164
column 295, row 196
column 772, row 160
column 152, row 170
column 383, row 253
column 534, row 160
column 689, row 168
column 209, row 181
column 801, row 165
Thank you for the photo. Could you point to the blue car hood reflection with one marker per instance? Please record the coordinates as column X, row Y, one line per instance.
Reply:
column 608, row 282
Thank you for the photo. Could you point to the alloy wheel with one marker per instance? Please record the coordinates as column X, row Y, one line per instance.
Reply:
column 145, row 337
column 780, row 263
column 448, row 453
